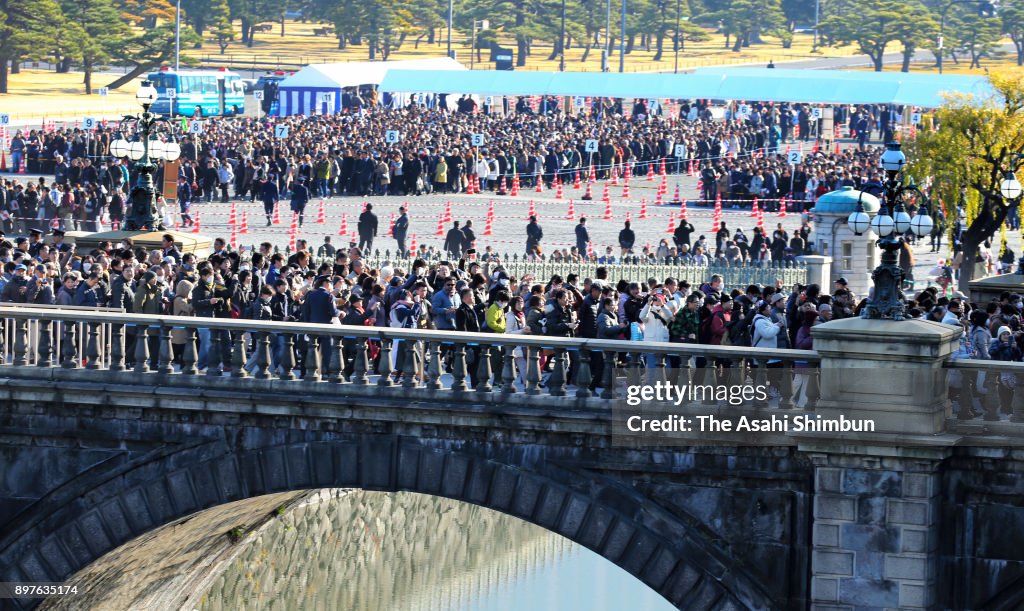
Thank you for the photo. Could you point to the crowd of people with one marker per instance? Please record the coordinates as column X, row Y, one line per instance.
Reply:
column 346, row 154
column 464, row 295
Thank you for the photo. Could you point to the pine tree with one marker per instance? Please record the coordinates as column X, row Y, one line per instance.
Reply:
column 101, row 32
column 25, row 27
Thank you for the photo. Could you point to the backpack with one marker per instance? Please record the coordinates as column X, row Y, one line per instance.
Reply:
column 739, row 330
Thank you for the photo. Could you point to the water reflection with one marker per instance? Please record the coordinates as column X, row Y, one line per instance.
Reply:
column 373, row 551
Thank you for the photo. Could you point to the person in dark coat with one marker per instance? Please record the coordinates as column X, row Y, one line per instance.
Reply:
column 582, row 237
column 401, row 230
column 300, row 197
column 184, row 200
column 367, row 229
column 627, row 238
column 319, row 308
column 453, row 241
column 270, row 195
column 468, row 236
column 534, row 234
column 682, row 234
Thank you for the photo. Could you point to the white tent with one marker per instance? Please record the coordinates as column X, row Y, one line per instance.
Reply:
column 305, row 91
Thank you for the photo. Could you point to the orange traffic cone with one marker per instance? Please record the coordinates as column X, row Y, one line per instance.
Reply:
column 608, row 210
column 515, row 186
column 571, row 214
column 343, row 230
column 532, row 211
column 625, row 190
column 755, row 210
column 615, row 176
column 661, row 167
column 469, row 184
column 448, row 212
column 391, row 226
column 3, row 161
column 501, row 186
column 440, row 226
column 540, row 183
column 488, row 227
column 650, row 172
column 232, row 215
column 643, row 207
column 576, row 184
column 233, row 242
column 21, row 166
column 412, row 246
column 782, row 208
column 606, row 197
column 277, row 213
column 690, row 169
column 593, row 174
column 628, row 217
column 321, row 215
column 244, row 229
column 671, row 223
column 589, row 194
column 196, row 223
column 675, row 198
column 293, row 232
column 559, row 194
column 682, row 210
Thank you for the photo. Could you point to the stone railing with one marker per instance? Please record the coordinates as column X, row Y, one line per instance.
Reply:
column 634, row 270
column 331, row 356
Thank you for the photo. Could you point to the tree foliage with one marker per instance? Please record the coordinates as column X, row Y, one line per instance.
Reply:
column 99, row 33
column 25, row 26
column 873, row 26
column 968, row 156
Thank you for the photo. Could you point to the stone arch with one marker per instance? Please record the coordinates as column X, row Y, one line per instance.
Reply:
column 668, row 554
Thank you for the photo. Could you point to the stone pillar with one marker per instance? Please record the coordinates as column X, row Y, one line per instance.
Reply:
column 876, row 494
column 876, row 527
column 819, row 271
column 888, row 371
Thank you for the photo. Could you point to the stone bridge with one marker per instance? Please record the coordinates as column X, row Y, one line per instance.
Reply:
column 926, row 513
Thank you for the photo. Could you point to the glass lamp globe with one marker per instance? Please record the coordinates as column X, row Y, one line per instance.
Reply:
column 921, row 224
column 901, row 220
column 1010, row 187
column 883, row 225
column 157, row 149
column 146, row 94
column 136, row 150
column 859, row 222
column 172, row 151
column 119, row 148
column 892, row 159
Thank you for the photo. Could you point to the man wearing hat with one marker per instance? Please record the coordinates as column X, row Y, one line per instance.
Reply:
column 16, row 289
column 34, row 242
column 58, row 241
column 319, row 309
column 300, row 197
column 40, row 288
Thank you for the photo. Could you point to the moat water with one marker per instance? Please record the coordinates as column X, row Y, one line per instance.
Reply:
column 370, row 551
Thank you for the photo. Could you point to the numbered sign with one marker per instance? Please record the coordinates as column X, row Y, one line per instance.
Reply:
column 652, row 103
column 743, row 110
column 280, row 131
column 580, row 101
column 816, row 113
column 680, row 150
column 104, row 91
column 195, row 127
column 326, row 98
column 489, row 101
column 795, row 157
column 89, row 123
column 915, row 118
column 5, row 119
column 392, row 136
column 591, row 146
column 258, row 94
column 172, row 93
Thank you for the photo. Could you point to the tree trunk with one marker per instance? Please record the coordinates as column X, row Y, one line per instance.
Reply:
column 556, row 49
column 130, row 76
column 87, row 70
column 64, row 65
column 282, row 25
column 985, row 225
column 246, row 31
column 727, row 40
column 738, row 44
column 372, row 44
column 16, row 65
column 522, row 50
column 908, row 52
column 431, row 36
column 878, row 60
column 1020, row 51
column 252, row 37
column 629, row 43
column 341, row 41
column 659, row 46
column 4, row 63
column 586, row 51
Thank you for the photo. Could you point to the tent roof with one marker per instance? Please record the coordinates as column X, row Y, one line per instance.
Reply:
column 776, row 85
column 351, row 74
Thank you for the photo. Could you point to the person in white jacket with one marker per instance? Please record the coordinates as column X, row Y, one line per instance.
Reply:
column 656, row 317
column 765, row 334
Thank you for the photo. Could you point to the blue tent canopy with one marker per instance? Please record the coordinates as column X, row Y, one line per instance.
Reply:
column 776, row 85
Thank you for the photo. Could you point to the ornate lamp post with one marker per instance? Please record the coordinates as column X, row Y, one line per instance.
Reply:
column 1011, row 191
column 145, row 147
column 888, row 278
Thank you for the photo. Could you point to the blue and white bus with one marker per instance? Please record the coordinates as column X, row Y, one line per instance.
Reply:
column 198, row 93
